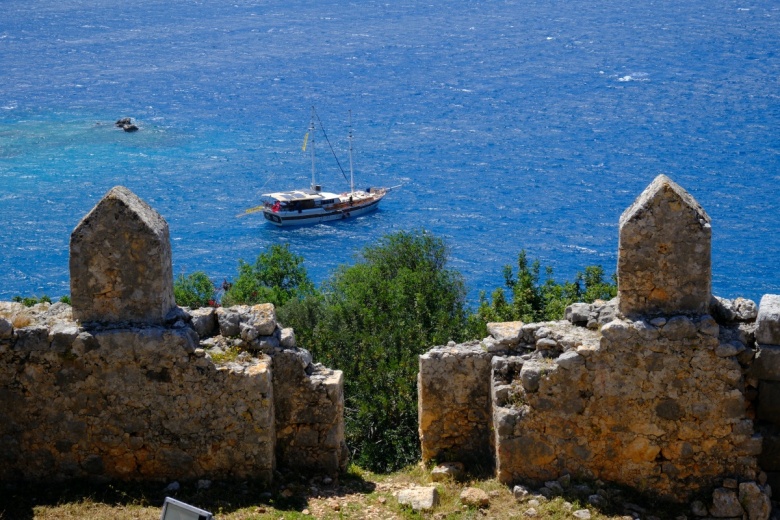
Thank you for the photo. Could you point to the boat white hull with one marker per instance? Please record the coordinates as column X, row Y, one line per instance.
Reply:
column 317, row 215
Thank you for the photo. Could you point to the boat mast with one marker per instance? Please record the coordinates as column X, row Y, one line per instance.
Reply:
column 351, row 170
column 311, row 144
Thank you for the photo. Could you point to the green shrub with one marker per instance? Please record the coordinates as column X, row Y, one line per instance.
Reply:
column 194, row 290
column 534, row 301
column 277, row 276
column 65, row 299
column 29, row 301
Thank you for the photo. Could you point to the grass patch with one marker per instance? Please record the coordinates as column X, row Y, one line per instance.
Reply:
column 229, row 355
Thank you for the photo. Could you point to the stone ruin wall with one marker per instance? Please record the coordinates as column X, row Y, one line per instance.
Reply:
column 123, row 384
column 653, row 407
column 663, row 389
column 454, row 404
column 763, row 380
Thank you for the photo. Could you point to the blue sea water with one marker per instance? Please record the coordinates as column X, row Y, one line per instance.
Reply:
column 511, row 124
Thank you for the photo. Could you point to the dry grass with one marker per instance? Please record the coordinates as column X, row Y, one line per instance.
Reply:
column 356, row 495
column 21, row 320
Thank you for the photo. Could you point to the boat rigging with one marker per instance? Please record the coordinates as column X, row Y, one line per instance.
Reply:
column 312, row 206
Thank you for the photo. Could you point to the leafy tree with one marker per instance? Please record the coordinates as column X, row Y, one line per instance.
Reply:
column 372, row 321
column 277, row 276
column 194, row 290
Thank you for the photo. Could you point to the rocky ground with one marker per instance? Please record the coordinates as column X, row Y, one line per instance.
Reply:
column 357, row 494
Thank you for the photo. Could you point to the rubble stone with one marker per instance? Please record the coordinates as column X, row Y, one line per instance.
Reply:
column 447, row 470
column 505, row 334
column 132, row 393
column 521, row 493
column 474, row 497
column 754, row 501
column 419, row 498
column 725, row 503
column 204, row 321
column 654, row 394
column 578, row 313
column 131, row 402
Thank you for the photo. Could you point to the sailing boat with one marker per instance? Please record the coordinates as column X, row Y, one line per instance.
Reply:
column 312, row 206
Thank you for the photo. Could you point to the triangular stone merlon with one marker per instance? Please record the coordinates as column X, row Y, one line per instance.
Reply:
column 664, row 253
column 120, row 262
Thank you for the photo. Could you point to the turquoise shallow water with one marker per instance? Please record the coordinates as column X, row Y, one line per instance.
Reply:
column 510, row 124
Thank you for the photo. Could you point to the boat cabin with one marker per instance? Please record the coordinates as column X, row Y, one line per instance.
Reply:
column 299, row 200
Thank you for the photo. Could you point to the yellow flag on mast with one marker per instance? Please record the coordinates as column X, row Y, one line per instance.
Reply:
column 305, row 141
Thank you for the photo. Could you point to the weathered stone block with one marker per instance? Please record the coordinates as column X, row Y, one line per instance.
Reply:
column 229, row 321
column 247, row 322
column 34, row 338
column 309, row 407
column 531, row 374
column 570, row 360
column 756, row 503
column 729, row 349
column 768, row 320
column 746, row 309
column 262, row 317
column 287, row 338
column 6, row 329
column 729, row 311
column 578, row 313
column 62, row 336
column 678, row 328
column 664, row 264
column 204, row 321
column 120, row 262
column 708, row 326
column 506, row 334
column 454, row 404
column 766, row 364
